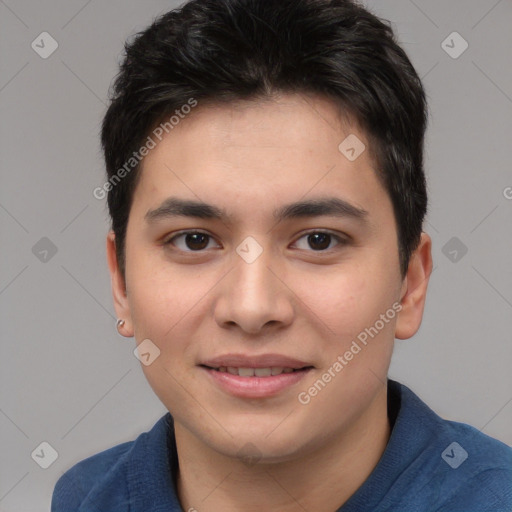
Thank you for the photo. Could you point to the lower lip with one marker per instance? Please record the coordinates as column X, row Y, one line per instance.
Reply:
column 255, row 387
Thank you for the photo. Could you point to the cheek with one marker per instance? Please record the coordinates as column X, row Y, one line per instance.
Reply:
column 163, row 311
column 166, row 311
column 168, row 307
column 159, row 311
column 159, row 294
column 346, row 300
column 356, row 347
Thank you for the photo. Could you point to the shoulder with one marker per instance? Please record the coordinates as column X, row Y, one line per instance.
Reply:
column 477, row 470
column 102, row 481
column 460, row 467
column 466, row 443
column 76, row 484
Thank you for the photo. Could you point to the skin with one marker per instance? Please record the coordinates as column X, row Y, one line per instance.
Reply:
column 250, row 158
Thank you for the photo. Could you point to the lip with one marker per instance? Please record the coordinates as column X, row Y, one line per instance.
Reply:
column 255, row 387
column 261, row 361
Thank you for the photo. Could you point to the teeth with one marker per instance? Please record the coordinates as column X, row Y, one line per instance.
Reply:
column 255, row 372
column 246, row 372
column 262, row 372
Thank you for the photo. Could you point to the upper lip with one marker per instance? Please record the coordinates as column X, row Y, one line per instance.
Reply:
column 261, row 361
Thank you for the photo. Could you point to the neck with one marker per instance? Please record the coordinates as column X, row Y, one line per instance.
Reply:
column 322, row 480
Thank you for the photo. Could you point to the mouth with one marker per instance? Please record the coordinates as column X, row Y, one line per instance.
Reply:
column 270, row 371
column 255, row 377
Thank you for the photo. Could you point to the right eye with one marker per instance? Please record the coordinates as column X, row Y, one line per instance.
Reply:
column 190, row 241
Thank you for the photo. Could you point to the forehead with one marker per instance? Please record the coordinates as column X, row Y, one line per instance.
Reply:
column 250, row 154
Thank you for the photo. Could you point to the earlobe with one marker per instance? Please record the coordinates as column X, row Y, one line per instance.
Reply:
column 121, row 303
column 414, row 289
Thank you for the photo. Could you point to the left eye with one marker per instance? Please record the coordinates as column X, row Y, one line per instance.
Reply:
column 319, row 240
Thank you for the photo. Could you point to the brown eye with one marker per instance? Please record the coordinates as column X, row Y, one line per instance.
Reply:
column 196, row 241
column 190, row 241
column 319, row 241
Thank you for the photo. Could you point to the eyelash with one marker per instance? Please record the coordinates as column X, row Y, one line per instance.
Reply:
column 340, row 241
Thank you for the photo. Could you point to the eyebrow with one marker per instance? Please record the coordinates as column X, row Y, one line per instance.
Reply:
column 330, row 206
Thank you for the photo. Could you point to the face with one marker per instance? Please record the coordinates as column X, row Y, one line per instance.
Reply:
column 258, row 300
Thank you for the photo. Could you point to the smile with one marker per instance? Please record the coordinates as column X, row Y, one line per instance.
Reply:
column 256, row 372
column 247, row 382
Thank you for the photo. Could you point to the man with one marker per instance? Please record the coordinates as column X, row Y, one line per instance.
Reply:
column 267, row 195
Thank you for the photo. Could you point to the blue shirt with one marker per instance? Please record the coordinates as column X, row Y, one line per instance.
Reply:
column 429, row 465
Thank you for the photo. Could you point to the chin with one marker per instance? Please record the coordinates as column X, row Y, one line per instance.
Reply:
column 259, row 443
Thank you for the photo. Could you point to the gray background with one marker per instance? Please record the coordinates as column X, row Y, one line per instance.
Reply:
column 68, row 379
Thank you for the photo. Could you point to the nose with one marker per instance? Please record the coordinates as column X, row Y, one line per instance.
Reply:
column 254, row 297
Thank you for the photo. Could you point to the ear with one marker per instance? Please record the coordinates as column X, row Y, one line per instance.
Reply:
column 414, row 290
column 121, row 304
